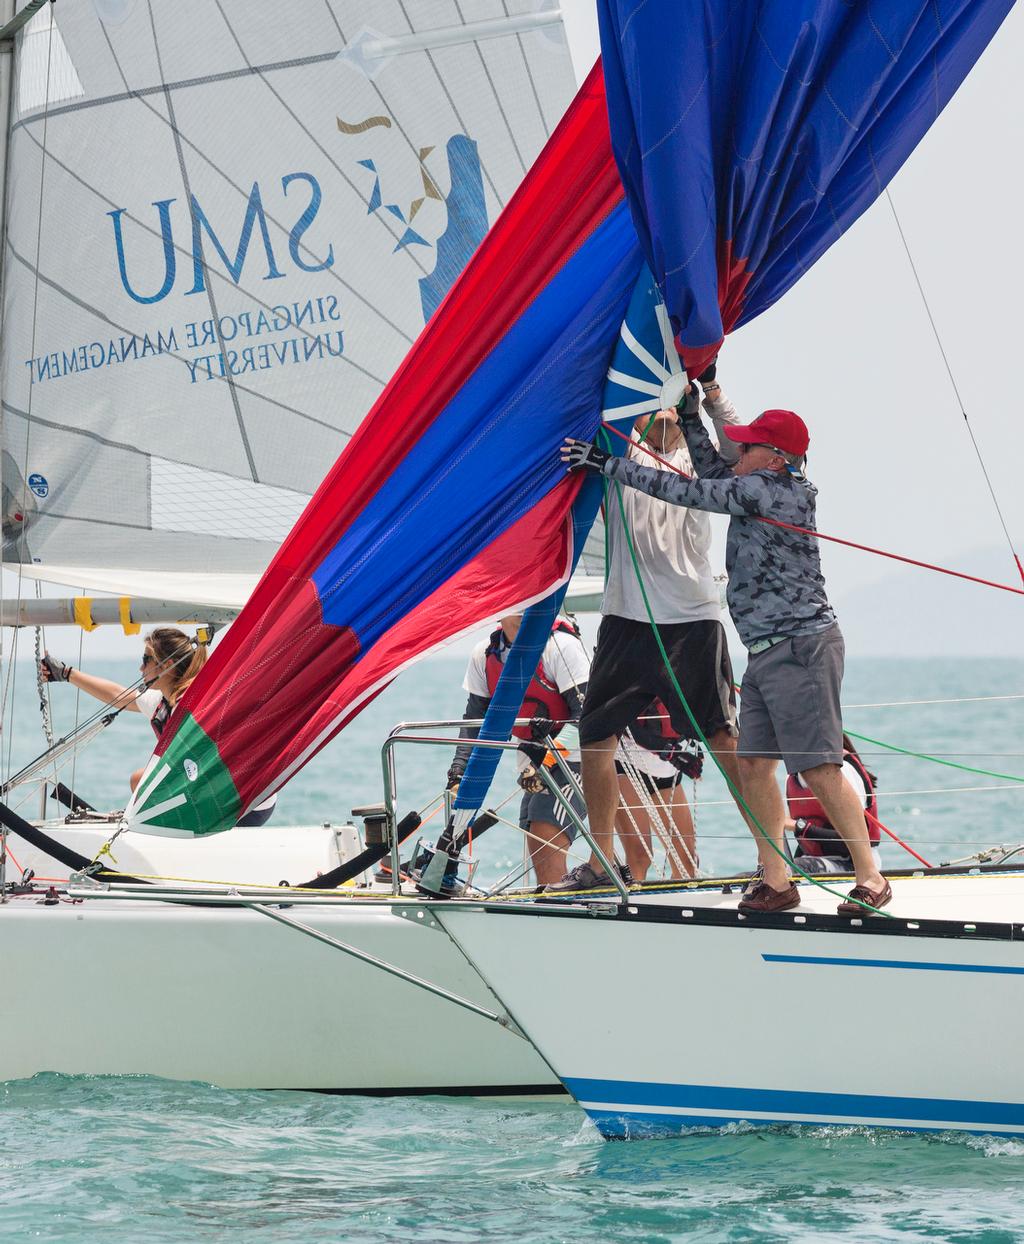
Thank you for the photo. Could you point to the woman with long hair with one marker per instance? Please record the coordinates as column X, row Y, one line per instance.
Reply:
column 171, row 661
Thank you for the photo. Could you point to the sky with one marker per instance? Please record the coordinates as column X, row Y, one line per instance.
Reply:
column 851, row 348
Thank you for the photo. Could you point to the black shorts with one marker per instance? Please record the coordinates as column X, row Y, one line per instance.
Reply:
column 628, row 672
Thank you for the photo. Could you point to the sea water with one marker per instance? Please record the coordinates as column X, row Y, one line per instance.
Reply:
column 141, row 1159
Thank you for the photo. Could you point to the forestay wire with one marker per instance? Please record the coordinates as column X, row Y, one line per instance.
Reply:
column 11, row 672
column 955, row 386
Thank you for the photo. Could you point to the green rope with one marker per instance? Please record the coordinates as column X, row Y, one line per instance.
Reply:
column 936, row 760
column 737, row 794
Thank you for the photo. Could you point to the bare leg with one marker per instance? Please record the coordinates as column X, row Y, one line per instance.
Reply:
column 633, row 836
column 761, row 791
column 547, row 856
column 723, row 748
column 684, row 837
column 601, row 791
column 135, row 779
column 846, row 816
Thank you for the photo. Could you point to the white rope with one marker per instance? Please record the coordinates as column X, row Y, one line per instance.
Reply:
column 660, row 818
column 966, row 699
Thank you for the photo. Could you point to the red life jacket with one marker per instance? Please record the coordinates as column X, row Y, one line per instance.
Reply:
column 654, row 731
column 815, row 833
column 542, row 698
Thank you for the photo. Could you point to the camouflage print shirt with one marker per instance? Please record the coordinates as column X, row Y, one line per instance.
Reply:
column 775, row 582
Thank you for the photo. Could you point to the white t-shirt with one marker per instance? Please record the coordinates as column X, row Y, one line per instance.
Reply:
column 565, row 662
column 148, row 701
column 672, row 543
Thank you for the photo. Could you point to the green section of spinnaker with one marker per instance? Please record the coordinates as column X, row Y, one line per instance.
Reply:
column 188, row 790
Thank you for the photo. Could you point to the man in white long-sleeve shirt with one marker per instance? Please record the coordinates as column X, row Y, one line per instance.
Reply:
column 672, row 553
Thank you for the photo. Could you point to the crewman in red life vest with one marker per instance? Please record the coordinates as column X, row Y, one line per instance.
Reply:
column 554, row 697
column 819, row 845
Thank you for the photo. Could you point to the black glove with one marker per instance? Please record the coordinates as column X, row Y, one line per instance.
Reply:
column 54, row 670
column 530, row 782
column 541, row 727
column 709, row 372
column 582, row 455
column 689, row 407
column 453, row 779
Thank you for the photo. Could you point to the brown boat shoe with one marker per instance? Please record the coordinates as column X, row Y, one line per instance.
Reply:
column 873, row 898
column 762, row 899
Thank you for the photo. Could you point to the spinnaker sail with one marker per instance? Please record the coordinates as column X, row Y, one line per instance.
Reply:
column 751, row 135
column 744, row 157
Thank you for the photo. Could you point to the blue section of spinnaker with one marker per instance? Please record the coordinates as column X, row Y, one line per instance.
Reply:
column 751, row 134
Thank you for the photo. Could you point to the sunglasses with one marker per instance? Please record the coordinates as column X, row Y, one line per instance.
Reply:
column 745, row 447
column 148, row 659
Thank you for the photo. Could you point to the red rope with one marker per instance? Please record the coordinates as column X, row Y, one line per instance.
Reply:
column 850, row 544
column 10, row 856
column 878, row 825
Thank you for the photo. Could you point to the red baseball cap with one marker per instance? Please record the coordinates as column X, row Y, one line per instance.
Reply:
column 781, row 429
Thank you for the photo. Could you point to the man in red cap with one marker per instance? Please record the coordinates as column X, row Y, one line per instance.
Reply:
column 789, row 705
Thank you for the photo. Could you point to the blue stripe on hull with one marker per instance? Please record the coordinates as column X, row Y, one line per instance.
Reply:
column 640, row 1126
column 909, row 965
column 769, row 1106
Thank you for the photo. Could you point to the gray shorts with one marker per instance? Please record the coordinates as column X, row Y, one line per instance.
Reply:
column 545, row 808
column 789, row 702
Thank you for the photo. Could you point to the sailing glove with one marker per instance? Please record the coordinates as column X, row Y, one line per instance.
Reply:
column 689, row 407
column 541, row 727
column 54, row 670
column 583, row 455
column 530, row 781
column 709, row 373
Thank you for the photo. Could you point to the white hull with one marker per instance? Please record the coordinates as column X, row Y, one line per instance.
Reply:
column 229, row 997
column 679, row 1013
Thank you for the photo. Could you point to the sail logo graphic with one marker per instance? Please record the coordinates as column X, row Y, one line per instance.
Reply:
column 191, row 769
column 254, row 223
column 466, row 221
column 39, row 484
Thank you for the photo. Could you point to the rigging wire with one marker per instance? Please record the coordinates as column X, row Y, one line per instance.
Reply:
column 820, row 535
column 21, row 542
column 956, row 387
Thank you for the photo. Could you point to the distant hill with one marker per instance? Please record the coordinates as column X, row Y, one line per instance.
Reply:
column 912, row 612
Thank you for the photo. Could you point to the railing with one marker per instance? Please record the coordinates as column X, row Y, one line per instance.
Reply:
column 400, row 735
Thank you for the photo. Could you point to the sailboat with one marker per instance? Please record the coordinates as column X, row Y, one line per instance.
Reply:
column 368, row 584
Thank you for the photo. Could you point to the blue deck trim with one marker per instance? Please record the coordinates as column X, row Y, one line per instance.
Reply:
column 906, row 964
column 849, row 1107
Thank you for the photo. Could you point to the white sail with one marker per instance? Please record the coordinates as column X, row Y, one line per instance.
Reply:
column 227, row 221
